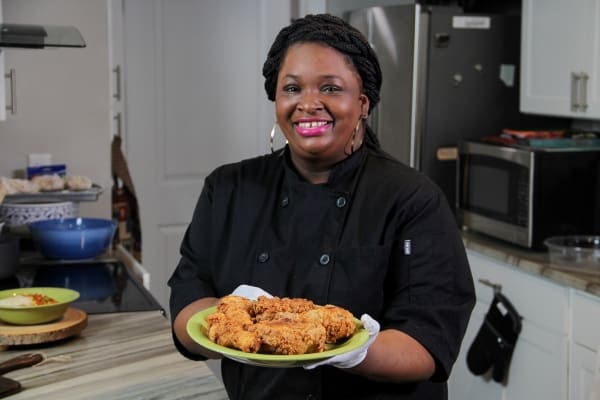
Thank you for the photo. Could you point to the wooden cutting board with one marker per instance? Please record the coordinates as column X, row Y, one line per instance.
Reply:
column 71, row 324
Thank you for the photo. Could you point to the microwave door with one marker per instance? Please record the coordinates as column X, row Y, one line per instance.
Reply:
column 494, row 192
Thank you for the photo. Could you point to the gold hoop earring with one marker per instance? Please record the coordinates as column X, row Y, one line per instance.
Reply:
column 354, row 135
column 273, row 136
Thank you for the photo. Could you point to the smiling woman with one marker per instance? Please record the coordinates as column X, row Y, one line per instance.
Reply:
column 333, row 219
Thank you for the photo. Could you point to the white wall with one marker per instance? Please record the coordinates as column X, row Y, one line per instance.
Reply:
column 62, row 96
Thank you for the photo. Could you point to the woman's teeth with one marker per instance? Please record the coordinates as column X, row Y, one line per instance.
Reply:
column 312, row 128
column 312, row 124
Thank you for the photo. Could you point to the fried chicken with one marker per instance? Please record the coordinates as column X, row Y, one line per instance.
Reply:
column 229, row 325
column 338, row 322
column 231, row 333
column 265, row 309
column 290, row 337
column 278, row 325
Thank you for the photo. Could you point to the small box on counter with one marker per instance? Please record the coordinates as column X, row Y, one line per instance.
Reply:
column 54, row 169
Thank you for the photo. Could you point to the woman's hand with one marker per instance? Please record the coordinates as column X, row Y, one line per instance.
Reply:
column 180, row 327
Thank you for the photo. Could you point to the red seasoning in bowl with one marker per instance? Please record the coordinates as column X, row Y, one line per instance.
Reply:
column 27, row 300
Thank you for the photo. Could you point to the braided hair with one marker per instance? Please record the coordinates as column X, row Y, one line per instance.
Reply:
column 338, row 34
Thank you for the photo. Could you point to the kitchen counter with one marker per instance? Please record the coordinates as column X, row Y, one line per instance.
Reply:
column 117, row 356
column 536, row 263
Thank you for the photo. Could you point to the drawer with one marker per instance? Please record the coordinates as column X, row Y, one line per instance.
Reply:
column 539, row 301
column 586, row 324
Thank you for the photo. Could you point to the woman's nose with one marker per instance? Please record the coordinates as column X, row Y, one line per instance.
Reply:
column 309, row 102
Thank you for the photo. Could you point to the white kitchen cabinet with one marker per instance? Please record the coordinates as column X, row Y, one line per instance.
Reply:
column 584, row 345
column 560, row 58
column 538, row 369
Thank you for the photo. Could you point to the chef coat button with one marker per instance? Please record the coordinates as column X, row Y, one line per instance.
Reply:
column 324, row 259
column 285, row 201
column 263, row 257
column 340, row 202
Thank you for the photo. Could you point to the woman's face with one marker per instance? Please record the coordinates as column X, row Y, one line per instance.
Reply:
column 318, row 103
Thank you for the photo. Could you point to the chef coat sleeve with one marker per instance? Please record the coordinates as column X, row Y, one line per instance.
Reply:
column 433, row 292
column 191, row 279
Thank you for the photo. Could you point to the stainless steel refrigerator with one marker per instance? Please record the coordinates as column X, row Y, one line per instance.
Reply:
column 447, row 76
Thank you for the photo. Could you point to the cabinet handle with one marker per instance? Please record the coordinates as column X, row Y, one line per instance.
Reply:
column 117, row 71
column 574, row 91
column 496, row 286
column 12, row 77
column 119, row 120
column 583, row 91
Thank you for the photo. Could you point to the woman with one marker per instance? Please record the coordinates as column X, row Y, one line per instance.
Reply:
column 330, row 217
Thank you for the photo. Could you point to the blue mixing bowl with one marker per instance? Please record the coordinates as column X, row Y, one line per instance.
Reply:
column 72, row 238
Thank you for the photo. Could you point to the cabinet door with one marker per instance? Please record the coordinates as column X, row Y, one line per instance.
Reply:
column 560, row 58
column 538, row 369
column 586, row 341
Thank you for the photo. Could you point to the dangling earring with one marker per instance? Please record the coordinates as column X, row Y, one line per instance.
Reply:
column 354, row 134
column 273, row 136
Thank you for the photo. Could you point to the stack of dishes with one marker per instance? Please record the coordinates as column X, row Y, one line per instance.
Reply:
column 18, row 214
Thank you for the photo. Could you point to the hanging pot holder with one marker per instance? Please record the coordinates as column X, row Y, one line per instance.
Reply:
column 494, row 344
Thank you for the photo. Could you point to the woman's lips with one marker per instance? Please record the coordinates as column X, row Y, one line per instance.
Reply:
column 311, row 128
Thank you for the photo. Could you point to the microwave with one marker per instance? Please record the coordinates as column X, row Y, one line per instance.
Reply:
column 524, row 195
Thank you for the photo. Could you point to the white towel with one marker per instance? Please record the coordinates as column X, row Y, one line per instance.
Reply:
column 595, row 388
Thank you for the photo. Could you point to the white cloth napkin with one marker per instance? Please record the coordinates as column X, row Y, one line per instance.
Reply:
column 250, row 292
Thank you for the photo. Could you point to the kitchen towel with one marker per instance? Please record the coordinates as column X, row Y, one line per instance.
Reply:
column 595, row 387
column 124, row 203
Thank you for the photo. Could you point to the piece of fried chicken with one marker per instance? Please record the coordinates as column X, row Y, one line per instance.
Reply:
column 338, row 322
column 229, row 325
column 265, row 308
column 290, row 337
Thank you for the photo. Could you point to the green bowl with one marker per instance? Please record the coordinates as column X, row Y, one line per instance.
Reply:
column 33, row 315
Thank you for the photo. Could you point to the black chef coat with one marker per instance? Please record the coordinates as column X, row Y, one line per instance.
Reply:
column 377, row 238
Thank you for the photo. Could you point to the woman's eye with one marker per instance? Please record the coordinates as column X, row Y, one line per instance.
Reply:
column 330, row 89
column 291, row 89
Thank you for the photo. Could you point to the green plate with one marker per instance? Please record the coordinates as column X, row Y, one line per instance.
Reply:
column 197, row 326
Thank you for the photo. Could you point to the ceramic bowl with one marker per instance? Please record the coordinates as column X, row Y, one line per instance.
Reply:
column 17, row 215
column 72, row 238
column 575, row 252
column 33, row 315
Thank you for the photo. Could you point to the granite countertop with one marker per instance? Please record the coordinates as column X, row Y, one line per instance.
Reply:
column 534, row 262
column 124, row 356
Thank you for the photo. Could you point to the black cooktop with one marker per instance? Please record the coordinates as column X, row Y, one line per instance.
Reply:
column 104, row 286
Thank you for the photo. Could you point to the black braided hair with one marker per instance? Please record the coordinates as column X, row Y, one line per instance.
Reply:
column 338, row 34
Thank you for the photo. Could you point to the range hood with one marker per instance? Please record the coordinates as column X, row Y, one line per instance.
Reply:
column 39, row 36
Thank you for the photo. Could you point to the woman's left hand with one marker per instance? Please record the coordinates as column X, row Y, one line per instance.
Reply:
column 354, row 357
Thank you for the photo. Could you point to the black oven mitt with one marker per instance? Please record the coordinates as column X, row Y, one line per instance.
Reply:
column 494, row 344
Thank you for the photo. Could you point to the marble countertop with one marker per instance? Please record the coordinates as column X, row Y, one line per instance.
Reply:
column 537, row 263
column 124, row 356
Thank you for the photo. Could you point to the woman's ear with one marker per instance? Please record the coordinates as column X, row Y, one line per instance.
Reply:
column 364, row 105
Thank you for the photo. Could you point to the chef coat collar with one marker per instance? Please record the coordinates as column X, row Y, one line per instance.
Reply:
column 342, row 174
